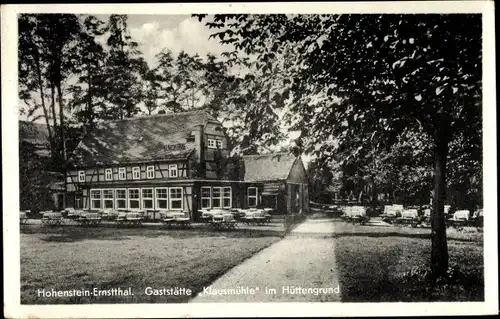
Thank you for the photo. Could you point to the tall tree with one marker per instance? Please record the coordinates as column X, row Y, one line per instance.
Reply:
column 32, row 73
column 123, row 70
column 180, row 79
column 89, row 91
column 49, row 40
column 368, row 80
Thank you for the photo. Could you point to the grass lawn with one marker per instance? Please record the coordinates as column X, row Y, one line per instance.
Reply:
column 371, row 261
column 71, row 257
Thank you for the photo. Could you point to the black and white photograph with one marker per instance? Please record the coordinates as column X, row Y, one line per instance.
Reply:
column 220, row 157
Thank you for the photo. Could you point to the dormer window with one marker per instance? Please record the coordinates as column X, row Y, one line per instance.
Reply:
column 122, row 174
column 150, row 172
column 136, row 172
column 211, row 143
column 172, row 170
column 81, row 176
column 108, row 174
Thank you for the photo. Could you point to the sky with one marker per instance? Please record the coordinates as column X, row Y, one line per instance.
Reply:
column 174, row 32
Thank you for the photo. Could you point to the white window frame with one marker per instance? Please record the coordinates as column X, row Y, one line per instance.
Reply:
column 226, row 197
column 173, row 168
column 136, row 169
column 256, row 196
column 81, row 176
column 107, row 199
column 212, row 143
column 150, row 171
column 152, row 198
column 219, row 197
column 209, row 198
column 134, row 199
column 92, row 199
column 110, row 176
column 218, row 144
column 120, row 198
column 170, row 199
column 157, row 198
column 122, row 173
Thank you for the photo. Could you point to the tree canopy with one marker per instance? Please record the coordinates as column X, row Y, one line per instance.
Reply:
column 355, row 84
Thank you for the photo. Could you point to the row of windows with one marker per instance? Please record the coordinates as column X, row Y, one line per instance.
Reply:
column 216, row 197
column 168, row 198
column 136, row 173
column 221, row 197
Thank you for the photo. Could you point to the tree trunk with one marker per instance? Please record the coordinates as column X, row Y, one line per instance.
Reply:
column 42, row 98
column 63, row 138
column 439, row 253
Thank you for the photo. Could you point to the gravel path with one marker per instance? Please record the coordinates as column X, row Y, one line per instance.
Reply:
column 300, row 268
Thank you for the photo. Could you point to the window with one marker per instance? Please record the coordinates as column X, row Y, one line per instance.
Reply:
column 134, row 198
column 205, row 197
column 175, row 198
column 150, row 172
column 252, row 196
column 172, row 170
column 161, row 198
column 219, row 143
column 95, row 199
column 81, row 176
column 78, row 203
column 108, row 174
column 226, row 197
column 211, row 143
column 217, row 197
column 107, row 194
column 121, row 198
column 147, row 198
column 136, row 172
column 122, row 174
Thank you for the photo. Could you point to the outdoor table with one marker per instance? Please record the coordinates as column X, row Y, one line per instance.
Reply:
column 121, row 218
column 90, row 218
column 223, row 221
column 52, row 218
column 177, row 219
column 134, row 218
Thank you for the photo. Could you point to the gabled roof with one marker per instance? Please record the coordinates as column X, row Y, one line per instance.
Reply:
column 140, row 139
column 269, row 167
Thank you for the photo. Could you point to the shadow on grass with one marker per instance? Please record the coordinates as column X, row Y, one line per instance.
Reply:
column 75, row 233
column 383, row 235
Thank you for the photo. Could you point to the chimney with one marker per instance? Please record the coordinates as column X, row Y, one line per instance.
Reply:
column 199, row 150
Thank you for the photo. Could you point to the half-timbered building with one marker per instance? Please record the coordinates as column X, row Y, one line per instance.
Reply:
column 175, row 162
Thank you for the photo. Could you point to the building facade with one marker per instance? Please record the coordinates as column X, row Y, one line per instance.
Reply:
column 175, row 162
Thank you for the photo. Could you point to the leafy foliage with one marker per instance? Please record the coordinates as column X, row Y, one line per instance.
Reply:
column 360, row 84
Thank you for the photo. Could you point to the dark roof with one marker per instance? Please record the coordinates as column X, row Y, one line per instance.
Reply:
column 37, row 135
column 268, row 167
column 140, row 139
